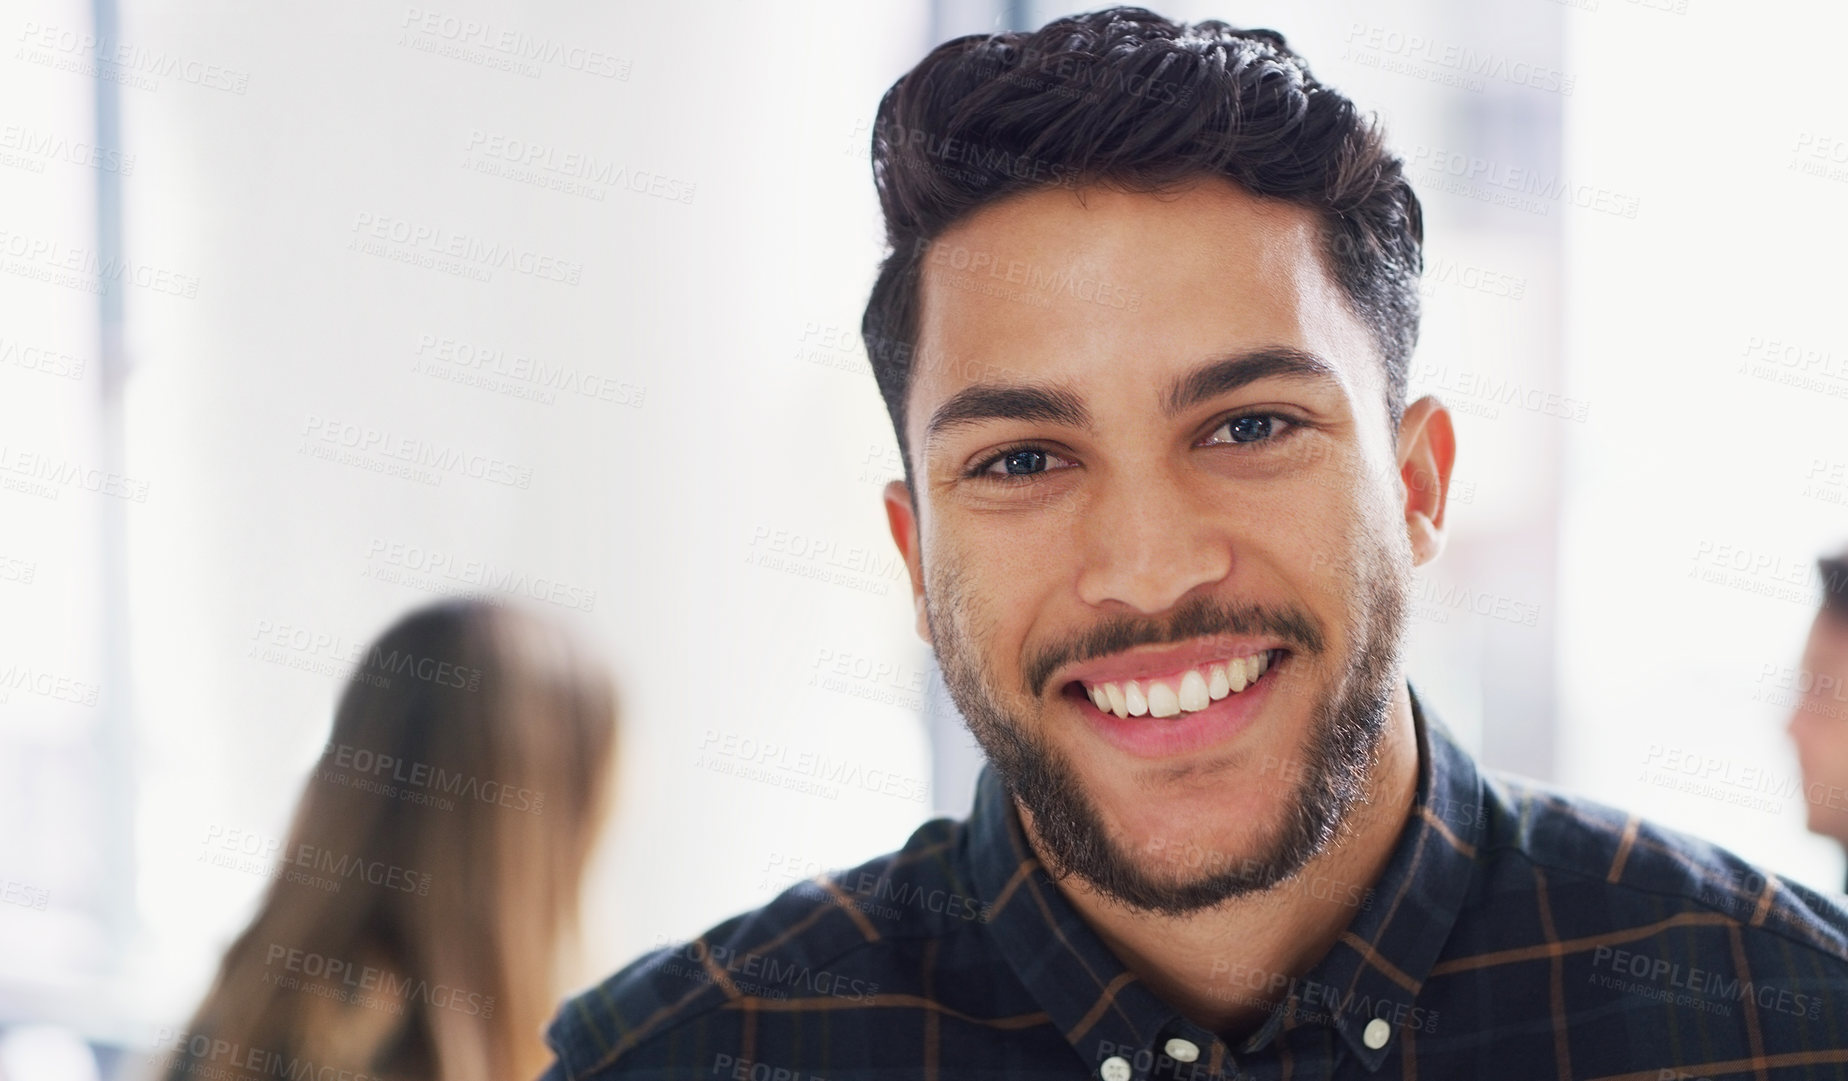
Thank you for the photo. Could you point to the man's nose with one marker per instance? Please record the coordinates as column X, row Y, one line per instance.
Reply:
column 1148, row 540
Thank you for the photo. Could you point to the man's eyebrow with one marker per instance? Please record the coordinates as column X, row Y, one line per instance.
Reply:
column 972, row 405
column 991, row 401
column 1230, row 373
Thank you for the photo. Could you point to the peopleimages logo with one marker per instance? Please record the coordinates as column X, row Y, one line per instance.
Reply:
column 37, row 681
column 351, row 982
column 1691, row 985
column 1040, row 283
column 577, row 172
column 418, row 782
column 422, row 459
column 300, row 647
column 761, row 975
column 372, row 872
column 516, row 50
column 808, row 770
column 434, row 570
column 51, row 260
column 1073, row 75
column 199, row 1055
column 516, row 374
column 49, row 360
column 435, row 247
column 38, row 145
column 1465, row 61
column 22, row 469
column 1311, row 1000
column 1489, row 180
column 120, row 61
column 23, row 894
column 980, row 159
column 888, row 891
column 304, row 864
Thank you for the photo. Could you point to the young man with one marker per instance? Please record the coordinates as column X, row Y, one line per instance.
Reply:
column 1143, row 335
column 1819, row 717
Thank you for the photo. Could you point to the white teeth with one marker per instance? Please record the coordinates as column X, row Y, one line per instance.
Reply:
column 1199, row 688
column 1163, row 702
column 1193, row 692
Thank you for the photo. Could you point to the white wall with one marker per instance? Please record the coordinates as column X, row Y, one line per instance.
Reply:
column 1695, row 466
column 56, row 490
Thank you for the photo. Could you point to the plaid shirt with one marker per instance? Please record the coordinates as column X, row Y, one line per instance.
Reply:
column 1515, row 933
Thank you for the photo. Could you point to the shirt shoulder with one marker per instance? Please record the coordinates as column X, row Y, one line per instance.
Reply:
column 1640, row 864
column 837, row 939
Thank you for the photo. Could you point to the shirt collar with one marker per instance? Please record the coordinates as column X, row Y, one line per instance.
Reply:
column 1375, row 969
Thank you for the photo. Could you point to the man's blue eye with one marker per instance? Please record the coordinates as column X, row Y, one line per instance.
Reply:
column 1250, row 429
column 1022, row 462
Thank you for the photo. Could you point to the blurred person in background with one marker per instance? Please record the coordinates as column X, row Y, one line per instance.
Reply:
column 452, row 813
column 1819, row 718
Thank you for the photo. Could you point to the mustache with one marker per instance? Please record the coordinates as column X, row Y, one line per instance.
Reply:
column 1204, row 617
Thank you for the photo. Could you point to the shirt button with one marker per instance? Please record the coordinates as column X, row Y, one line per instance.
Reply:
column 1181, row 1050
column 1378, row 1032
column 1115, row 1068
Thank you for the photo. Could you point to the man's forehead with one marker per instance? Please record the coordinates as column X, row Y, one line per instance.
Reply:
column 1099, row 250
column 1100, row 288
column 1102, row 210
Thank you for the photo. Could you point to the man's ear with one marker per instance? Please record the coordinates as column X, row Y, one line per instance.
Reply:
column 902, row 517
column 1427, row 451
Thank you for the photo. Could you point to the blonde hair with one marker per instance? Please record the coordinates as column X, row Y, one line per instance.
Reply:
column 460, row 794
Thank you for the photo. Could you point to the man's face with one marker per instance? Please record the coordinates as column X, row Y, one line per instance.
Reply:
column 1159, row 534
column 1819, row 723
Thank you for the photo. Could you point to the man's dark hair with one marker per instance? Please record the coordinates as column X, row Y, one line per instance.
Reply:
column 1834, row 573
column 1127, row 98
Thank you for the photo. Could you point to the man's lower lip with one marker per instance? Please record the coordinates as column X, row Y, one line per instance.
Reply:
column 1164, row 737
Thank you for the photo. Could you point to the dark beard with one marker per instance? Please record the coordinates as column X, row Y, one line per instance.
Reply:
column 1348, row 724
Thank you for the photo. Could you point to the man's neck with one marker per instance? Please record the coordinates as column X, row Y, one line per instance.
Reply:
column 1225, row 968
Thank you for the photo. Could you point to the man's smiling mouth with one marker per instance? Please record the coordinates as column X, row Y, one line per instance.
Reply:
column 1180, row 692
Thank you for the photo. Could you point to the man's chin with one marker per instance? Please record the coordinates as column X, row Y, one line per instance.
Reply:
column 1175, row 869
column 1161, row 850
column 1185, row 880
column 1233, row 806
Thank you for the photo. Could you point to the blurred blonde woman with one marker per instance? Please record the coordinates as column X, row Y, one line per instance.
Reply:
column 455, row 807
